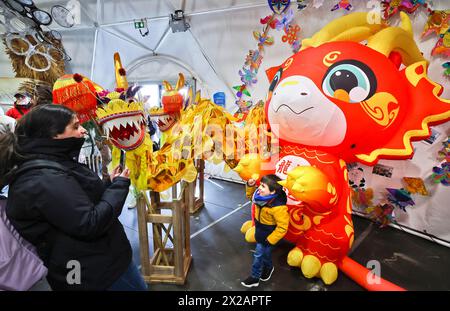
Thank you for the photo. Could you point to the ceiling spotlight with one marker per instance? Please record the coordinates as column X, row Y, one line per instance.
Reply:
column 177, row 22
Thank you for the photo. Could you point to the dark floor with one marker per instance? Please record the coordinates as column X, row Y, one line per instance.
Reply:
column 222, row 258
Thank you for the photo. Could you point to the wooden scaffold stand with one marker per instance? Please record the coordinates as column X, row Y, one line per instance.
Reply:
column 169, row 222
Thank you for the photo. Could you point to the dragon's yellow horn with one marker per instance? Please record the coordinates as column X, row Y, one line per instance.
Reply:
column 352, row 27
column 167, row 86
column 190, row 97
column 180, row 82
column 121, row 75
column 399, row 39
column 198, row 97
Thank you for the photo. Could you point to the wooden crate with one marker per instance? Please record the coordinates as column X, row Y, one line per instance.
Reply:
column 195, row 203
column 168, row 264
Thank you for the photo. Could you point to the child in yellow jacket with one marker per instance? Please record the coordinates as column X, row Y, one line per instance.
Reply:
column 271, row 218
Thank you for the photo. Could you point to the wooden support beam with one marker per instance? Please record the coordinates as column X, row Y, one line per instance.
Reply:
column 167, row 265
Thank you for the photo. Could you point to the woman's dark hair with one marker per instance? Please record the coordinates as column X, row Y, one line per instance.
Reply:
column 43, row 121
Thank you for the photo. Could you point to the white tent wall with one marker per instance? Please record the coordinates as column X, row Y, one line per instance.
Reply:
column 430, row 214
column 6, row 69
column 214, row 49
column 79, row 45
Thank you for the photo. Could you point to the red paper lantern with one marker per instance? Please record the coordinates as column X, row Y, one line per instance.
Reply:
column 77, row 93
column 172, row 103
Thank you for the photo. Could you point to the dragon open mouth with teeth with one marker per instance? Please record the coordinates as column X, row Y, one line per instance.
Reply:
column 172, row 105
column 124, row 123
column 164, row 120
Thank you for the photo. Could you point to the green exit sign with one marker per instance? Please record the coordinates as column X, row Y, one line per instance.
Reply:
column 139, row 24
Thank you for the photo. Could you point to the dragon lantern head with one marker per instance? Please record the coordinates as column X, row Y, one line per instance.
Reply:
column 123, row 122
column 172, row 104
column 121, row 117
column 164, row 120
column 352, row 99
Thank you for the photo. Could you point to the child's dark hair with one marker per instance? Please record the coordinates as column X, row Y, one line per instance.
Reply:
column 271, row 181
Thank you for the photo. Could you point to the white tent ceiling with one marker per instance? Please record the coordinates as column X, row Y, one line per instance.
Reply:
column 213, row 49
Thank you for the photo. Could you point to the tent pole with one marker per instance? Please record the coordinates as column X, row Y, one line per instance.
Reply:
column 129, row 41
column 147, row 59
column 156, row 18
column 242, row 7
column 210, row 62
column 88, row 15
column 163, row 37
column 100, row 12
column 94, row 50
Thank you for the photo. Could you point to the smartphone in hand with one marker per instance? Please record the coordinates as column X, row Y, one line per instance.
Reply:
column 122, row 160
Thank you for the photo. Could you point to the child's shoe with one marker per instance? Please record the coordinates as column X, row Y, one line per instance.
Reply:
column 266, row 274
column 250, row 282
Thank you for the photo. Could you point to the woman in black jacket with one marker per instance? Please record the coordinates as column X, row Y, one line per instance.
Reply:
column 64, row 209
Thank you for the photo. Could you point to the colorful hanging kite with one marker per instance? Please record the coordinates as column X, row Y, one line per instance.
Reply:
column 278, row 6
column 343, row 4
column 382, row 214
column 392, row 7
column 447, row 69
column 269, row 20
column 301, row 5
column 437, row 23
column 290, row 31
column 253, row 60
column 400, row 198
column 241, row 90
column 444, row 153
column 441, row 174
column 285, row 20
column 290, row 34
column 262, row 38
column 442, row 45
column 248, row 76
column 415, row 185
column 361, row 197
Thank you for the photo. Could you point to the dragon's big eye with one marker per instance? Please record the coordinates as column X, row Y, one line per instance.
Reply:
column 351, row 76
column 276, row 79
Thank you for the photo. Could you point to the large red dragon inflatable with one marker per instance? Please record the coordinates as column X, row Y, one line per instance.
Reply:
column 356, row 91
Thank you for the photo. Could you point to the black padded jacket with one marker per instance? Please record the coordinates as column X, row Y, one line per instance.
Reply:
column 71, row 217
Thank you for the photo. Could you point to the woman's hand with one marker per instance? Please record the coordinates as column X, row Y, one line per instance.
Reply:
column 125, row 173
column 118, row 172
